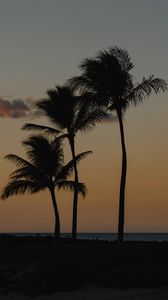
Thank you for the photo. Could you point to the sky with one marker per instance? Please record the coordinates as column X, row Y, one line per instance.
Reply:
column 42, row 44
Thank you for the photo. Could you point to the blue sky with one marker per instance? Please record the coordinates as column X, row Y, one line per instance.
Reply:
column 43, row 42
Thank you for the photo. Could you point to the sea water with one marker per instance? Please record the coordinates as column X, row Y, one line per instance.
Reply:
column 159, row 237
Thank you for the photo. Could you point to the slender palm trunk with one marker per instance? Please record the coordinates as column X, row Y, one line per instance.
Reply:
column 56, row 213
column 75, row 202
column 123, row 180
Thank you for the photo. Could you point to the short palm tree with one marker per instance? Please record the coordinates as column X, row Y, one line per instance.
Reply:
column 44, row 169
column 70, row 113
column 109, row 80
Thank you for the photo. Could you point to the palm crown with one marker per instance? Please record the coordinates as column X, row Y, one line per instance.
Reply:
column 68, row 111
column 44, row 169
column 108, row 77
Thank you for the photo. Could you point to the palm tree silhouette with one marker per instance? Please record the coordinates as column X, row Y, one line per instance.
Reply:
column 108, row 79
column 44, row 169
column 70, row 113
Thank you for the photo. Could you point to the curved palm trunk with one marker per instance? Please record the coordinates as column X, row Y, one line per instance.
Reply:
column 123, row 180
column 56, row 213
column 75, row 202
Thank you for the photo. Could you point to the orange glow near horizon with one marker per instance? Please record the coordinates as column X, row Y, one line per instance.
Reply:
column 147, row 180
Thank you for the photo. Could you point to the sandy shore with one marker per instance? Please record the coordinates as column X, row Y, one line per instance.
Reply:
column 100, row 294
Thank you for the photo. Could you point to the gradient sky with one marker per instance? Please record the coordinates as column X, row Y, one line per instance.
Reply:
column 42, row 44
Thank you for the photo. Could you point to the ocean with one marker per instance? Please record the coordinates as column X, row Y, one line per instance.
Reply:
column 159, row 237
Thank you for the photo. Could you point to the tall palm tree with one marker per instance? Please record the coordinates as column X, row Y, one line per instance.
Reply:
column 109, row 80
column 70, row 113
column 44, row 169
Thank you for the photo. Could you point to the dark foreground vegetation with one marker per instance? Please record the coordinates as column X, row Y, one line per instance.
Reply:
column 41, row 265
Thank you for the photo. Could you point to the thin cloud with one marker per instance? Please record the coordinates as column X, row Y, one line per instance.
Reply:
column 17, row 108
column 112, row 118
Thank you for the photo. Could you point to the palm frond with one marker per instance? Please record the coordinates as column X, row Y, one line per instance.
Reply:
column 94, row 117
column 18, row 161
column 61, row 137
column 81, row 84
column 68, row 168
column 37, row 147
column 86, row 106
column 123, row 58
column 16, row 187
column 59, row 106
column 145, row 88
column 41, row 128
column 70, row 185
column 50, row 108
column 29, row 172
column 45, row 155
column 91, row 100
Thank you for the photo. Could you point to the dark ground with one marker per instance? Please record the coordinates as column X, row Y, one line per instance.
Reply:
column 40, row 265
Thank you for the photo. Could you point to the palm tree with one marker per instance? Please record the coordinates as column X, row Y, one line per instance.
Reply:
column 70, row 113
column 44, row 169
column 109, row 80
